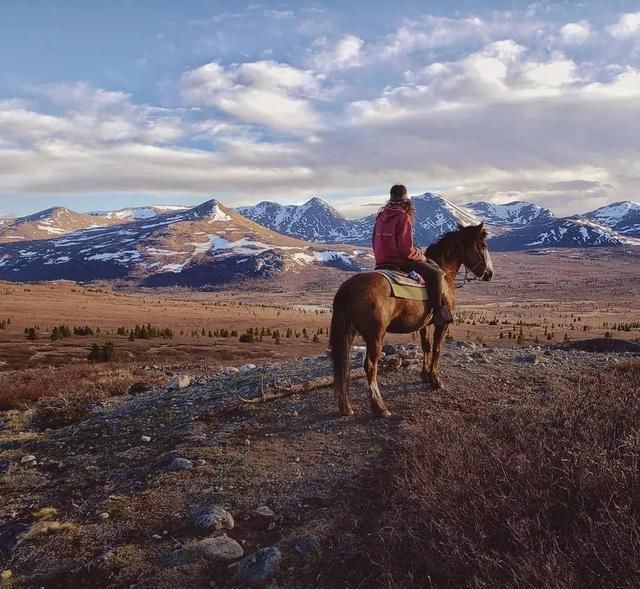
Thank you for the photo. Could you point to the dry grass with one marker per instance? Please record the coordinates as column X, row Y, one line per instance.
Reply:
column 541, row 495
column 59, row 396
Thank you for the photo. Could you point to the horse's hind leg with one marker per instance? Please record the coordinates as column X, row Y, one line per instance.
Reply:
column 426, row 350
column 374, row 350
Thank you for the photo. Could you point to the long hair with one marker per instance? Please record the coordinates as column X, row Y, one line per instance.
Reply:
column 405, row 205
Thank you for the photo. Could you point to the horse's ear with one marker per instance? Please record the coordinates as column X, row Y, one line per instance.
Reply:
column 480, row 228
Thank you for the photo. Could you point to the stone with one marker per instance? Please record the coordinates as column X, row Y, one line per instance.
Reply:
column 3, row 425
column 10, row 535
column 103, row 516
column 528, row 359
column 466, row 345
column 389, row 349
column 28, row 459
column 305, row 545
column 221, row 549
column 179, row 382
column 213, row 517
column 139, row 387
column 247, row 367
column 263, row 511
column 259, row 567
column 4, row 466
column 145, row 438
column 179, row 464
column 6, row 575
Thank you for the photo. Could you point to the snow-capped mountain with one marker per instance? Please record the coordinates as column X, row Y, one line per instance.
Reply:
column 47, row 224
column 624, row 217
column 565, row 232
column 318, row 221
column 206, row 244
column 511, row 215
column 137, row 213
column 436, row 215
column 315, row 220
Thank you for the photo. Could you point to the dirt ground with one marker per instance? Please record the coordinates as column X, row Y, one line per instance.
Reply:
column 313, row 468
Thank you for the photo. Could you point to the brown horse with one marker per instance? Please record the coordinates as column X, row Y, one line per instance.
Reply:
column 364, row 305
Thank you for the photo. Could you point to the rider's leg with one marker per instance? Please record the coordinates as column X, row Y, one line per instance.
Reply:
column 434, row 279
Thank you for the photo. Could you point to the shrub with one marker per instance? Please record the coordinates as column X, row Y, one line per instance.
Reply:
column 102, row 353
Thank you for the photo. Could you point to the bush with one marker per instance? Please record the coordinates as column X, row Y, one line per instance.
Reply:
column 104, row 353
column 540, row 495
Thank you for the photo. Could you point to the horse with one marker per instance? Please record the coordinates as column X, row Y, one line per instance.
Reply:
column 364, row 304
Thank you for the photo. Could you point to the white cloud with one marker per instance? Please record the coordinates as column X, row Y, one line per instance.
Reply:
column 575, row 33
column 345, row 53
column 269, row 93
column 627, row 26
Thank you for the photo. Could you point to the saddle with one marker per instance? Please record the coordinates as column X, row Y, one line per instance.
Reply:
column 402, row 287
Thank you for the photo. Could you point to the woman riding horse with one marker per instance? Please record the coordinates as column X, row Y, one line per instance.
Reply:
column 393, row 246
column 364, row 304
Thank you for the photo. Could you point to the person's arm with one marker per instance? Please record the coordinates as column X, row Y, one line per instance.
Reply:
column 405, row 242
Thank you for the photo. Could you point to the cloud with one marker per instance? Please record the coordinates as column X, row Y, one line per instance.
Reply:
column 627, row 26
column 575, row 33
column 344, row 54
column 91, row 116
column 268, row 93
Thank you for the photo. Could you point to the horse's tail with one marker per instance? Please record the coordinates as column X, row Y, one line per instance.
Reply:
column 340, row 339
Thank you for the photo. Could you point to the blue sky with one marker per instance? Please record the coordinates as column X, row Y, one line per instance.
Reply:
column 119, row 103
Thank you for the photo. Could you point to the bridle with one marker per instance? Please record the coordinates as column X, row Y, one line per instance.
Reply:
column 468, row 270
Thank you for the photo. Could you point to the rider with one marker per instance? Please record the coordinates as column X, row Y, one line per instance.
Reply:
column 393, row 244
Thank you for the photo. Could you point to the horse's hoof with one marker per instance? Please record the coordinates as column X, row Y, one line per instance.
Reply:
column 383, row 414
column 347, row 412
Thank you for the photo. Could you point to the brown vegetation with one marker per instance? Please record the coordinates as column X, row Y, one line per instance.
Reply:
column 535, row 495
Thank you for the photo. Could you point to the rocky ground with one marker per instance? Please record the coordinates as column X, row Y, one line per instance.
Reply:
column 191, row 486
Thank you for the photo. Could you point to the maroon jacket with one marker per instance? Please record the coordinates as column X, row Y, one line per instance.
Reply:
column 393, row 237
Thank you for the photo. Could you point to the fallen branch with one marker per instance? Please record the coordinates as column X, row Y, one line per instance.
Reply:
column 307, row 387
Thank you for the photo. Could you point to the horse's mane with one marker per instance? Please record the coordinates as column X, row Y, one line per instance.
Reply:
column 444, row 247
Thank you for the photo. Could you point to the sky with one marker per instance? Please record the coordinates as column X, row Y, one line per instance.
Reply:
column 105, row 105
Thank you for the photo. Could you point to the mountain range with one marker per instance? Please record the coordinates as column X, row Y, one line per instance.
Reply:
column 513, row 226
column 211, row 243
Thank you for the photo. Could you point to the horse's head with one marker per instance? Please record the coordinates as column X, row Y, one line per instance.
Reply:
column 475, row 254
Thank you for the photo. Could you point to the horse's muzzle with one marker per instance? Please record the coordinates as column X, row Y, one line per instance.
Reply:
column 487, row 275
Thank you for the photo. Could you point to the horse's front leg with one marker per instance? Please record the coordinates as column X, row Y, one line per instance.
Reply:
column 434, row 372
column 426, row 350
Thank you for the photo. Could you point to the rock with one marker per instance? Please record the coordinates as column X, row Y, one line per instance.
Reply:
column 466, row 345
column 179, row 464
column 145, row 438
column 263, row 511
column 103, row 516
column 28, row 459
column 6, row 575
column 305, row 545
column 156, row 537
column 221, row 549
column 247, row 367
column 200, row 462
column 389, row 349
column 409, row 354
column 3, row 425
column 528, row 359
column 258, row 568
column 247, row 442
column 139, row 387
column 230, row 370
column 4, row 466
column 179, row 382
column 213, row 517
column 10, row 535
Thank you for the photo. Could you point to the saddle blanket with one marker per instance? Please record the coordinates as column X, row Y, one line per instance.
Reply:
column 403, row 287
